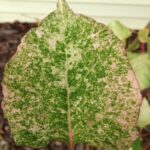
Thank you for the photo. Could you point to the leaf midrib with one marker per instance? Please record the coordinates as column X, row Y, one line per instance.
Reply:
column 68, row 101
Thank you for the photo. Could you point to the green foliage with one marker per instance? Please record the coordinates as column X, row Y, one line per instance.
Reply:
column 144, row 117
column 148, row 46
column 71, row 77
column 134, row 45
column 137, row 145
column 141, row 67
column 143, row 35
column 121, row 31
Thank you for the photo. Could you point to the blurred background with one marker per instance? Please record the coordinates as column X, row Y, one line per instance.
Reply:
column 132, row 13
column 129, row 20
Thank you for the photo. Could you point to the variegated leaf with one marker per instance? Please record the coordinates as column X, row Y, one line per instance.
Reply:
column 71, row 79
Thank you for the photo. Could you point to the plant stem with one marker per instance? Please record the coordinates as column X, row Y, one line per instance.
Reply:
column 142, row 48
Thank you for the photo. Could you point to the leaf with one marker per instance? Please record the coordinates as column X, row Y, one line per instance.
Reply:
column 144, row 117
column 121, row 31
column 143, row 35
column 137, row 145
column 148, row 25
column 70, row 80
column 134, row 45
column 148, row 46
column 141, row 67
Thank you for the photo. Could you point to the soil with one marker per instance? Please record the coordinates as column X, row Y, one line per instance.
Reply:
column 10, row 37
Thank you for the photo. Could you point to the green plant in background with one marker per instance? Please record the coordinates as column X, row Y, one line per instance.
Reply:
column 141, row 66
column 144, row 118
column 137, row 145
column 143, row 35
column 121, row 31
column 70, row 80
column 148, row 46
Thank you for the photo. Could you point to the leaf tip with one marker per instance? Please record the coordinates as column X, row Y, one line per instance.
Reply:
column 62, row 5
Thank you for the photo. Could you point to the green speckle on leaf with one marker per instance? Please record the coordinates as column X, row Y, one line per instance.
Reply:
column 71, row 75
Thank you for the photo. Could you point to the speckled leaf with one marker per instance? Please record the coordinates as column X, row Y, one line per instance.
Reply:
column 71, row 77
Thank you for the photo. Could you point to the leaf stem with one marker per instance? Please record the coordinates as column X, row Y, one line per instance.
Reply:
column 71, row 141
column 142, row 48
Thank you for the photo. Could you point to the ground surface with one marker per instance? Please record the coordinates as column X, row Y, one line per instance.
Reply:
column 10, row 36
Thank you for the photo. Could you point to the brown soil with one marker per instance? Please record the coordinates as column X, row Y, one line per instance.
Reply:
column 10, row 37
